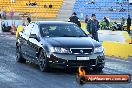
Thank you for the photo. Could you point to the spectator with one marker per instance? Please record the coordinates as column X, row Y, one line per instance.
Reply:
column 28, row 19
column 29, row 3
column 111, row 9
column 92, row 2
column 93, row 27
column 45, row 6
column 34, row 4
column 106, row 21
column 4, row 15
column 13, row 29
column 50, row 6
column 86, row 19
column 122, row 21
column 75, row 19
column 121, row 9
column 128, row 24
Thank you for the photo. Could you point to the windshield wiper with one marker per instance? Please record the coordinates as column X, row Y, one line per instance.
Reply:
column 82, row 36
column 68, row 36
column 73, row 36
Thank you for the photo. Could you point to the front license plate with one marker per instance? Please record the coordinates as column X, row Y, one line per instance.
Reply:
column 82, row 58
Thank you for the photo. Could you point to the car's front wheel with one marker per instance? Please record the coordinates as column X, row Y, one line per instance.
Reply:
column 43, row 61
column 19, row 57
column 98, row 69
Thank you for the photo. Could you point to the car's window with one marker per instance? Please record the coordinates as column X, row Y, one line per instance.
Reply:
column 61, row 30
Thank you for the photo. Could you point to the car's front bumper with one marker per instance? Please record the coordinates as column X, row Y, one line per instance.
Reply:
column 70, row 61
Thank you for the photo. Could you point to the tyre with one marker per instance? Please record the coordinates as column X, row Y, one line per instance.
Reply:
column 98, row 69
column 43, row 61
column 19, row 57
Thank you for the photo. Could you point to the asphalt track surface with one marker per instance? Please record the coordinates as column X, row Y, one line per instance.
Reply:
column 17, row 75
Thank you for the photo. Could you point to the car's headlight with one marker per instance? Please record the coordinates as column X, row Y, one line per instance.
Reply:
column 99, row 49
column 59, row 50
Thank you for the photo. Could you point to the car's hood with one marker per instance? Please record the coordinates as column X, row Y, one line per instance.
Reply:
column 72, row 42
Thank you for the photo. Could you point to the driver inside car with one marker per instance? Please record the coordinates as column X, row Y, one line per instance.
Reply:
column 45, row 31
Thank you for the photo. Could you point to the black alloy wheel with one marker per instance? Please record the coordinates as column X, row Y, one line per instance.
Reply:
column 43, row 61
column 19, row 57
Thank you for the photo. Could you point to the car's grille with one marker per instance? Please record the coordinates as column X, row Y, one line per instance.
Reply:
column 82, row 62
column 81, row 51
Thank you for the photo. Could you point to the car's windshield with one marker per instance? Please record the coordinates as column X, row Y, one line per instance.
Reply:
column 61, row 30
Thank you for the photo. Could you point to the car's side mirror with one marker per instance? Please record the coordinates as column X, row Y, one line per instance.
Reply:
column 34, row 36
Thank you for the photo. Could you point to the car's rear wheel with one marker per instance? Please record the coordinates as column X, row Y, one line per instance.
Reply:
column 43, row 61
column 19, row 57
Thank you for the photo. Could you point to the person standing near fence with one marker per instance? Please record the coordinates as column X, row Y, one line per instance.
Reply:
column 93, row 27
column 86, row 21
column 128, row 24
column 75, row 19
column 28, row 19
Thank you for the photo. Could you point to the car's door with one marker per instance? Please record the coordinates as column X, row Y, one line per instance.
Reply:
column 24, row 37
column 33, row 43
